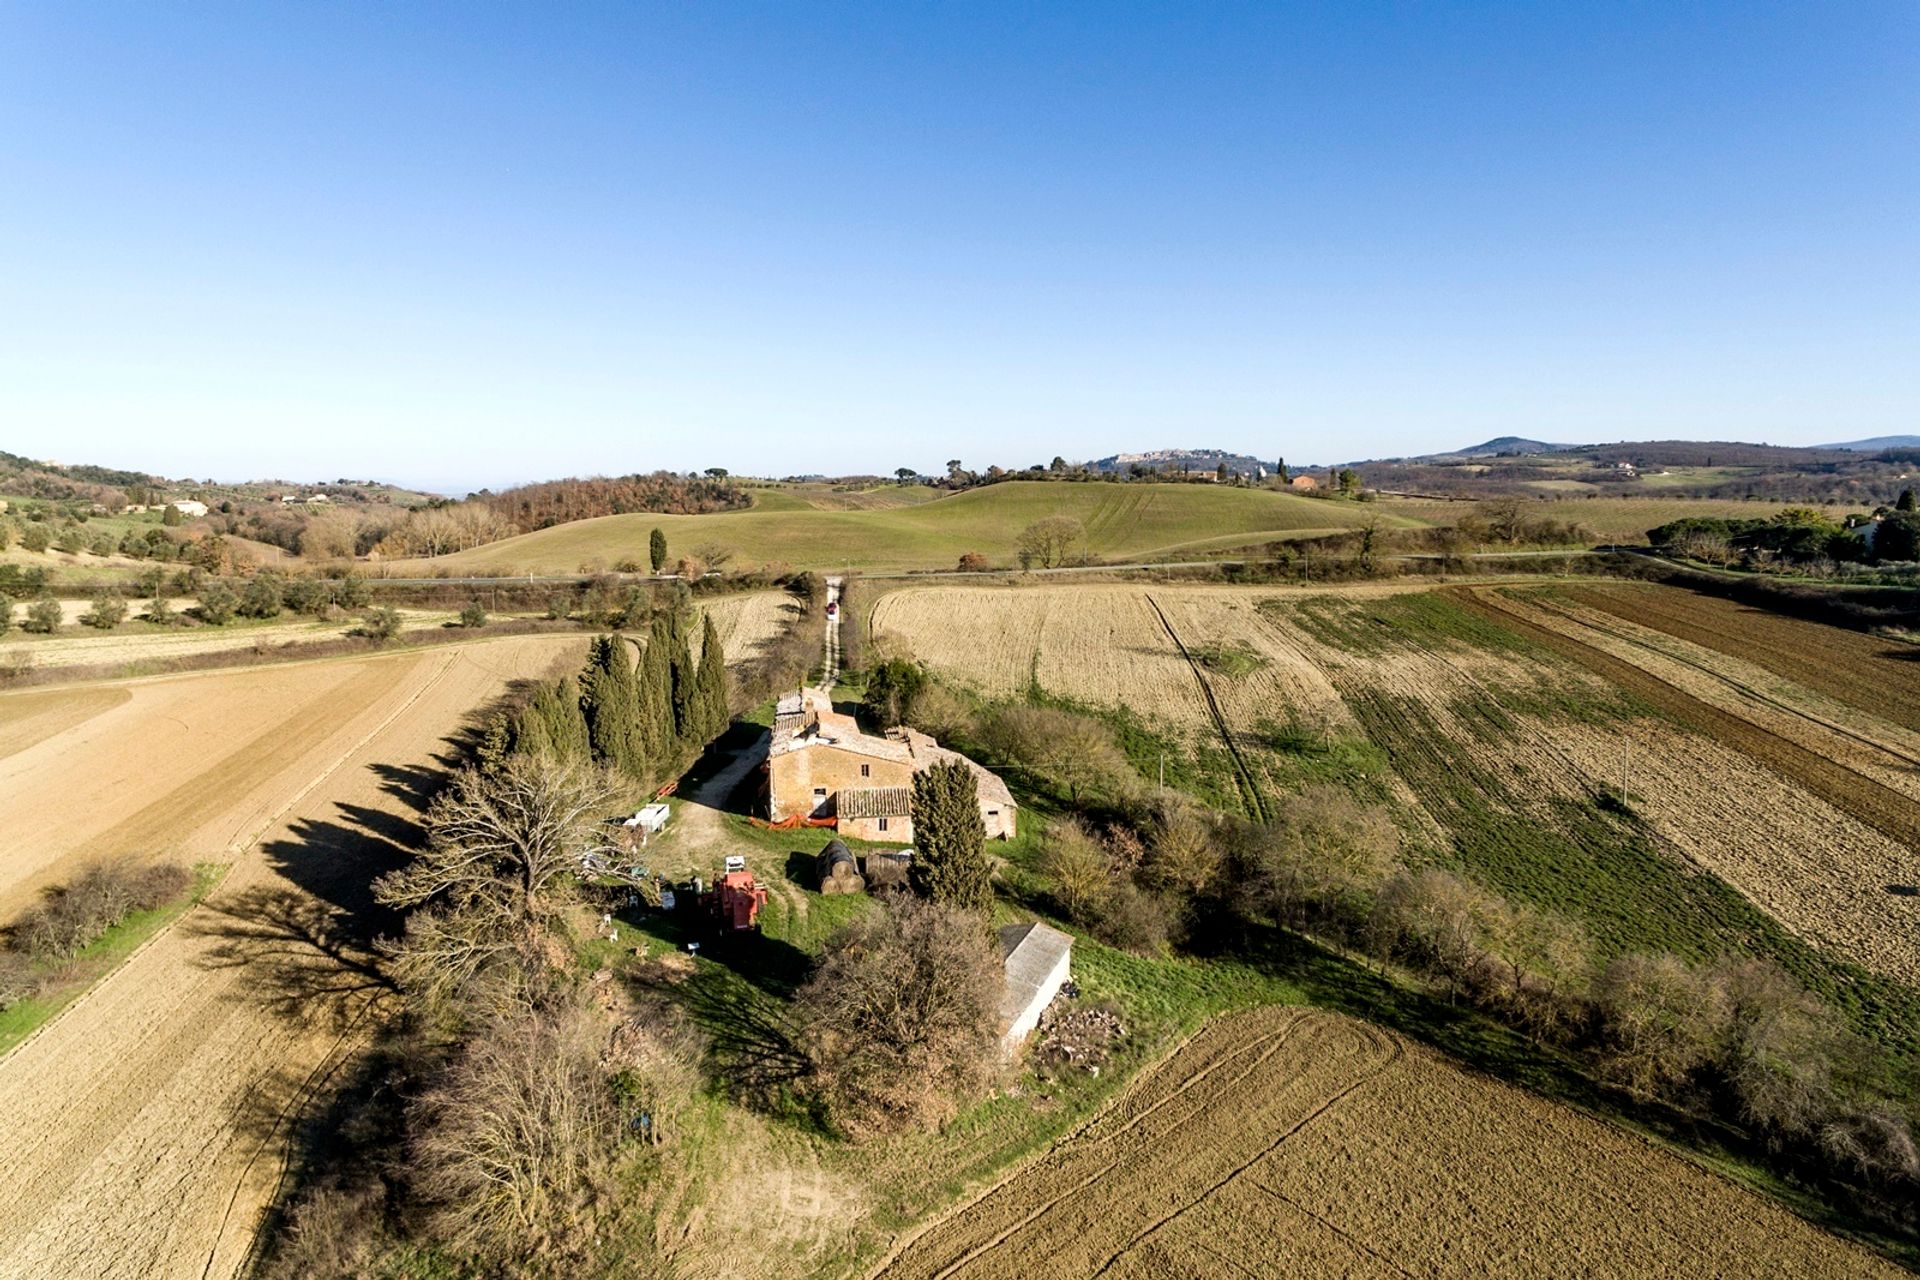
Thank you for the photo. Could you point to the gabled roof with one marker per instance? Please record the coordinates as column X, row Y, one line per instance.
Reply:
column 928, row 752
column 873, row 802
column 1031, row 952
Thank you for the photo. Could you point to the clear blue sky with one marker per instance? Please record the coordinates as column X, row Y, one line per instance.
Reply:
column 478, row 243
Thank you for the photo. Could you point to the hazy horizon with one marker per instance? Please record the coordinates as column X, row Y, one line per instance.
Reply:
column 481, row 246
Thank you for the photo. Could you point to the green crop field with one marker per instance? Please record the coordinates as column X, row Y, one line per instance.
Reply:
column 1137, row 520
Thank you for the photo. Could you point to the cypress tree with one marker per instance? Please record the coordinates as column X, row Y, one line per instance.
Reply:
column 949, row 838
column 657, row 549
column 713, row 683
column 530, row 736
column 687, row 721
column 608, row 702
column 656, row 693
column 561, row 726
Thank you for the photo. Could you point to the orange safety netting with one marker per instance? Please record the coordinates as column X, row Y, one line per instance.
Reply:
column 793, row 823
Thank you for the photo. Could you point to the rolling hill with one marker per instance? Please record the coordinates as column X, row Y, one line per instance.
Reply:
column 1135, row 520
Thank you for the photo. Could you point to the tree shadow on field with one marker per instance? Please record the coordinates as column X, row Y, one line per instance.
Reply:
column 752, row 1038
column 305, row 960
column 415, row 785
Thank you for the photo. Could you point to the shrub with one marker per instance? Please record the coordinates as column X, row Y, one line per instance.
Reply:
column 73, row 917
column 473, row 615
column 43, row 616
column 379, row 624
column 1182, row 855
column 1133, row 919
column 514, row 1139
column 1079, row 869
column 974, row 562
column 217, row 603
column 1074, row 752
column 36, row 537
column 1321, row 859
column 899, row 1016
column 109, row 610
column 6, row 614
column 19, row 979
column 893, row 687
column 261, row 597
column 332, row 1232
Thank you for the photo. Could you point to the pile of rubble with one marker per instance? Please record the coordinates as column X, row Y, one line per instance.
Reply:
column 1075, row 1036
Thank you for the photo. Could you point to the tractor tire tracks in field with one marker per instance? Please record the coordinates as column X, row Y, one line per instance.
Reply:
column 1243, row 772
column 1291, row 1143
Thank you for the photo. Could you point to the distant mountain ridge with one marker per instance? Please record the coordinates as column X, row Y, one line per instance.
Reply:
column 1505, row 446
column 1875, row 443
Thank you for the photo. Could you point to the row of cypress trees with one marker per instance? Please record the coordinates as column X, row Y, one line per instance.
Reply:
column 648, row 718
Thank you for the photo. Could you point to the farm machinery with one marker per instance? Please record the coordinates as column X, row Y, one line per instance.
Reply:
column 734, row 902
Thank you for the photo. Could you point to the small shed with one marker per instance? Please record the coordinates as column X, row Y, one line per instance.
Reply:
column 1037, row 960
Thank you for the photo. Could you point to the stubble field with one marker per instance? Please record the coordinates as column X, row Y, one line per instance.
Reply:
column 1282, row 1142
column 144, row 1127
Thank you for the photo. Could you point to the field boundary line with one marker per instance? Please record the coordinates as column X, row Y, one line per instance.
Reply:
column 1255, row 804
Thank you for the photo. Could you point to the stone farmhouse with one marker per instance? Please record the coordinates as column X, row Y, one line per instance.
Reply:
column 821, row 764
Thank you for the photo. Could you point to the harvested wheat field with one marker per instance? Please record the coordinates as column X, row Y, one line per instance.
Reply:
column 746, row 623
column 144, row 1127
column 1284, row 1142
column 1107, row 645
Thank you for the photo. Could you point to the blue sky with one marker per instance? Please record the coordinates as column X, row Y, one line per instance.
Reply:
column 471, row 244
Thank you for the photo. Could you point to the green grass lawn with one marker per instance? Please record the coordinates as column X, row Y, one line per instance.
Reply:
column 1136, row 520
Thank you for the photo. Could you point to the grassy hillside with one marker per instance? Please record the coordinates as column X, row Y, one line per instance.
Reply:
column 1121, row 521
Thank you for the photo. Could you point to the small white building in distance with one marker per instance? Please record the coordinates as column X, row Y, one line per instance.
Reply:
column 1037, row 959
column 189, row 508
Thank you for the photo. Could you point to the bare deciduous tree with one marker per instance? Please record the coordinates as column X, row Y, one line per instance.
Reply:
column 1662, row 1021
column 513, row 1142
column 900, row 1015
column 499, row 846
column 1050, row 541
column 1081, row 872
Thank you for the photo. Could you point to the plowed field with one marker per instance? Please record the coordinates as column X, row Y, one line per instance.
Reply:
column 142, row 1131
column 1288, row 1143
column 1876, row 675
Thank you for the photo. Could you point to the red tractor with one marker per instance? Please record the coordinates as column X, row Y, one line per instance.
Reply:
column 735, row 901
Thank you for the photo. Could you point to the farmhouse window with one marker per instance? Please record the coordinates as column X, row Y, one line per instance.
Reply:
column 866, row 771
column 883, row 824
column 993, row 813
column 819, row 793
